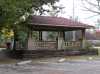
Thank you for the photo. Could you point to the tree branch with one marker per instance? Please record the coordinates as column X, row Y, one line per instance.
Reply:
column 91, row 3
column 89, row 9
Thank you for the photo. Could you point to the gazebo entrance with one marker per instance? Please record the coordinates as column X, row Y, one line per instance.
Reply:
column 57, row 44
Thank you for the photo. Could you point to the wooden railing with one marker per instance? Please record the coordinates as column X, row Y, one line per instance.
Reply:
column 44, row 44
column 53, row 45
column 72, row 44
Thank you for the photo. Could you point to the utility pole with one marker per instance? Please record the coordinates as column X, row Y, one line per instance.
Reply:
column 73, row 17
column 73, row 10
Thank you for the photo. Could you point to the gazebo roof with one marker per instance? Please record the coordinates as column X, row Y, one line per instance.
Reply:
column 57, row 22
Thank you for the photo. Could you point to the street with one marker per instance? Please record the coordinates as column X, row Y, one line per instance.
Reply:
column 67, row 67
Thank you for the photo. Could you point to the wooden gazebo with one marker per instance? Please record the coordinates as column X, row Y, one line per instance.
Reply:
column 60, row 25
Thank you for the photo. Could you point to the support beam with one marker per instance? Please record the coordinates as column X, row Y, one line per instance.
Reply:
column 40, row 35
column 74, row 35
column 83, row 38
column 64, row 35
column 60, row 40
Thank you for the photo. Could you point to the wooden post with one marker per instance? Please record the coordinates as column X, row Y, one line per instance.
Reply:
column 40, row 35
column 64, row 35
column 83, row 38
column 74, row 35
column 30, row 43
column 60, row 40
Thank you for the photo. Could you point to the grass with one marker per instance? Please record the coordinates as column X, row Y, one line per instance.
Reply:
column 52, row 59
column 8, row 61
column 85, row 57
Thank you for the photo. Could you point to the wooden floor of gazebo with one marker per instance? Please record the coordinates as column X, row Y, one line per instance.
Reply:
column 29, row 54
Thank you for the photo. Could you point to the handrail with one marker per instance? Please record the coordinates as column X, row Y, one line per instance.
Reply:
column 44, row 44
column 72, row 44
column 53, row 44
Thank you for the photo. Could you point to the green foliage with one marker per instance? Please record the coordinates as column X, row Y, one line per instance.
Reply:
column 12, row 10
column 14, row 13
column 52, row 36
column 35, row 35
column 22, row 36
column 88, row 44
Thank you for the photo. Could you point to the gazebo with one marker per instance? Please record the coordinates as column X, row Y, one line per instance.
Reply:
column 60, row 25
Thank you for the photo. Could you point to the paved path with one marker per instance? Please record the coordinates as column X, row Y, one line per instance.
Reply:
column 68, row 67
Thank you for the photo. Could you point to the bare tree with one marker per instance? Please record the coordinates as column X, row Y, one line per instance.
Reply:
column 91, row 5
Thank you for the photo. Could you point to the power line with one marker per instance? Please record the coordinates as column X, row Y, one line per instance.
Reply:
column 91, row 16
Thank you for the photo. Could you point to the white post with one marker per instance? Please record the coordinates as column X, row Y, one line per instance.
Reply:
column 40, row 35
column 74, row 36
column 60, row 40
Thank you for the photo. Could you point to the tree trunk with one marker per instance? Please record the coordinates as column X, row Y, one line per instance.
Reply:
column 15, row 37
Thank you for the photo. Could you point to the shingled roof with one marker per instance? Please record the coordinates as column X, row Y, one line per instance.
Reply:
column 57, row 22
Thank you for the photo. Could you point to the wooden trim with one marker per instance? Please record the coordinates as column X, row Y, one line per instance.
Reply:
column 40, row 35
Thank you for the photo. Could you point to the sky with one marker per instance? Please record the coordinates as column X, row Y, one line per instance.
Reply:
column 83, row 16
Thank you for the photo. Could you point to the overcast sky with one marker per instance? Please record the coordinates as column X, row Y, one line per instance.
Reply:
column 84, row 16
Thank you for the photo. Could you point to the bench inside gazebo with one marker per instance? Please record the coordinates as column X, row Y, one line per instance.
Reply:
column 59, row 25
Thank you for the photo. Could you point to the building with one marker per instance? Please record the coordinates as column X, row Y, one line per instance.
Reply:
column 59, row 25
